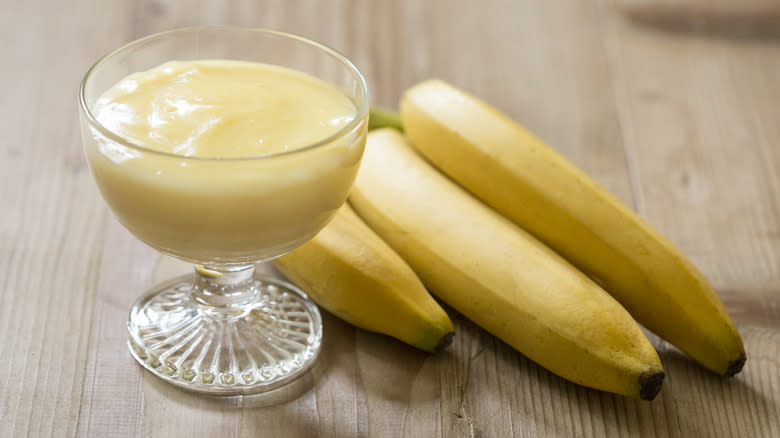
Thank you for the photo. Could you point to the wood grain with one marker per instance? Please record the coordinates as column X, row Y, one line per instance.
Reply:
column 699, row 116
column 52, row 221
column 690, row 130
column 678, row 121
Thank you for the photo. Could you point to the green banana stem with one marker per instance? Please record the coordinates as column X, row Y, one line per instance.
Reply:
column 383, row 118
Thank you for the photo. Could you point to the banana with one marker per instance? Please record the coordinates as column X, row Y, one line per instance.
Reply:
column 528, row 182
column 499, row 276
column 351, row 272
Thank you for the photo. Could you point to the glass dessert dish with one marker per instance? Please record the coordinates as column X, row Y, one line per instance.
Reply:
column 224, row 330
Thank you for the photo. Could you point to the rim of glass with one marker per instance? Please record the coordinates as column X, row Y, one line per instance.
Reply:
column 361, row 112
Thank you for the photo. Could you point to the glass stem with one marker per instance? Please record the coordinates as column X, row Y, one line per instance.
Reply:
column 224, row 287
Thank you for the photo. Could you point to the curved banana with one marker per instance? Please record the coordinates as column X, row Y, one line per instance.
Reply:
column 537, row 188
column 499, row 276
column 351, row 272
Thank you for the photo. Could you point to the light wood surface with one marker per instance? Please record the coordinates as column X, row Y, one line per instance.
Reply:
column 682, row 122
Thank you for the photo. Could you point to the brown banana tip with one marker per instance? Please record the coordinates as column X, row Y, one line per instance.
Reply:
column 445, row 342
column 650, row 385
column 735, row 366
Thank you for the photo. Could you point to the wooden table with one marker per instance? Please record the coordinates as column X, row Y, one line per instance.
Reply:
column 677, row 111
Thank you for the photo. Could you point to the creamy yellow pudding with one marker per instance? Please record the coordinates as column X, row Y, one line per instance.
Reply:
column 218, row 161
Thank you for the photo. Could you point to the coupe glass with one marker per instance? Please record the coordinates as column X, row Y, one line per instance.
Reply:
column 224, row 330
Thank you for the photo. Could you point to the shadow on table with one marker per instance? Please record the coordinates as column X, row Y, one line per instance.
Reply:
column 676, row 18
column 380, row 365
column 274, row 397
column 693, row 378
column 500, row 391
column 693, row 401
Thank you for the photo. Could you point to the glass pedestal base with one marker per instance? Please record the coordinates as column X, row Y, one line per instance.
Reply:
column 251, row 336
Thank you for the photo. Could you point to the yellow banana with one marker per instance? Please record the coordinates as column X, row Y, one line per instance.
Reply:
column 537, row 188
column 351, row 272
column 498, row 275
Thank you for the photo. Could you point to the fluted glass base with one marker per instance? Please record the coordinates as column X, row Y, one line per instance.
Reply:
column 225, row 332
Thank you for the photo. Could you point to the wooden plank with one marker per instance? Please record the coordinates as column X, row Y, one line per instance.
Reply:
column 112, row 402
column 699, row 114
column 700, row 121
column 679, row 121
column 52, row 221
column 743, row 406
